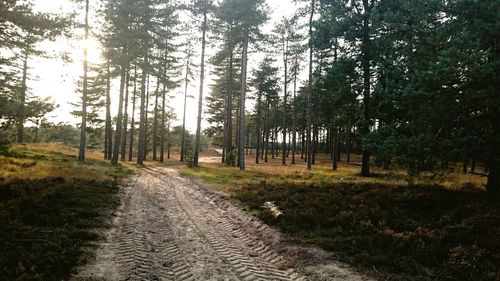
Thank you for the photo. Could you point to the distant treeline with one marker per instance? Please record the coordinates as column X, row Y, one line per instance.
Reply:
column 407, row 83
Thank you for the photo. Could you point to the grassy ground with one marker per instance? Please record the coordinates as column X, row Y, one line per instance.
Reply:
column 51, row 208
column 229, row 179
column 447, row 231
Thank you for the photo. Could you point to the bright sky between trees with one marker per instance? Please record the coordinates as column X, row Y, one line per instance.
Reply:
column 57, row 79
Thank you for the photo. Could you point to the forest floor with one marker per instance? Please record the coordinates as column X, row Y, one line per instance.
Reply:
column 169, row 222
column 444, row 227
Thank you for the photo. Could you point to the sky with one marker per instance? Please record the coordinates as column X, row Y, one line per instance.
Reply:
column 51, row 77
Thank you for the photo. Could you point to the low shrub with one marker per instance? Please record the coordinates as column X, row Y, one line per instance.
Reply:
column 45, row 223
column 418, row 233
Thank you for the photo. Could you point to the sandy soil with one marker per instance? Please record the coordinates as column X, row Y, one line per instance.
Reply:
column 171, row 228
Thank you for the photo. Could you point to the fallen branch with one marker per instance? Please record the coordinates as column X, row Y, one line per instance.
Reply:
column 273, row 209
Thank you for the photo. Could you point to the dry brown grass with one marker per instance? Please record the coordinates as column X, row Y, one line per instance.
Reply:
column 375, row 222
column 38, row 161
column 228, row 179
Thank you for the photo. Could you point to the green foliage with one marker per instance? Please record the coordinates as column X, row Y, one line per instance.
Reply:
column 21, row 32
column 230, row 160
column 189, row 156
column 246, row 16
column 432, row 83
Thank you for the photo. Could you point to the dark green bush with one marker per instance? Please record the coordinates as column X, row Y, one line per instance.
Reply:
column 420, row 233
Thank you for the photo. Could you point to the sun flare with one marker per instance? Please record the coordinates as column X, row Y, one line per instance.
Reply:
column 94, row 50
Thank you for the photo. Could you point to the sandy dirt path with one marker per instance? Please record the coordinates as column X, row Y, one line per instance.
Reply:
column 170, row 228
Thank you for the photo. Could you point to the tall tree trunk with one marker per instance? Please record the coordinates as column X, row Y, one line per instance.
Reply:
column 223, row 156
column 310, row 87
column 276, row 142
column 263, row 144
column 105, row 141
column 200, row 101
column 329, row 142
column 22, row 99
column 163, row 119
column 36, row 132
column 314, row 146
column 365, row 64
column 108, row 129
column 285, row 61
column 237, row 139
column 163, row 104
column 289, row 146
column 186, row 83
column 257, row 127
column 132, row 124
column 493, row 163
column 473, row 165
column 229, row 113
column 119, row 117
column 83, row 127
column 224, row 130
column 241, row 142
column 465, row 167
column 267, row 131
column 302, row 144
column 334, row 136
column 168, row 140
column 348, row 144
column 272, row 142
column 141, row 151
column 155, row 126
column 338, row 146
column 125, row 118
column 334, row 149
column 146, row 122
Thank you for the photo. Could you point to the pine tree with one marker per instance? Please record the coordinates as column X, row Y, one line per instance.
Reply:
column 310, row 87
column 202, row 7
column 188, row 76
column 290, row 42
column 21, row 30
column 265, row 83
column 248, row 17
column 83, row 125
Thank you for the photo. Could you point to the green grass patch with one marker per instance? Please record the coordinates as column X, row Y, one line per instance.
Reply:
column 417, row 233
column 51, row 210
